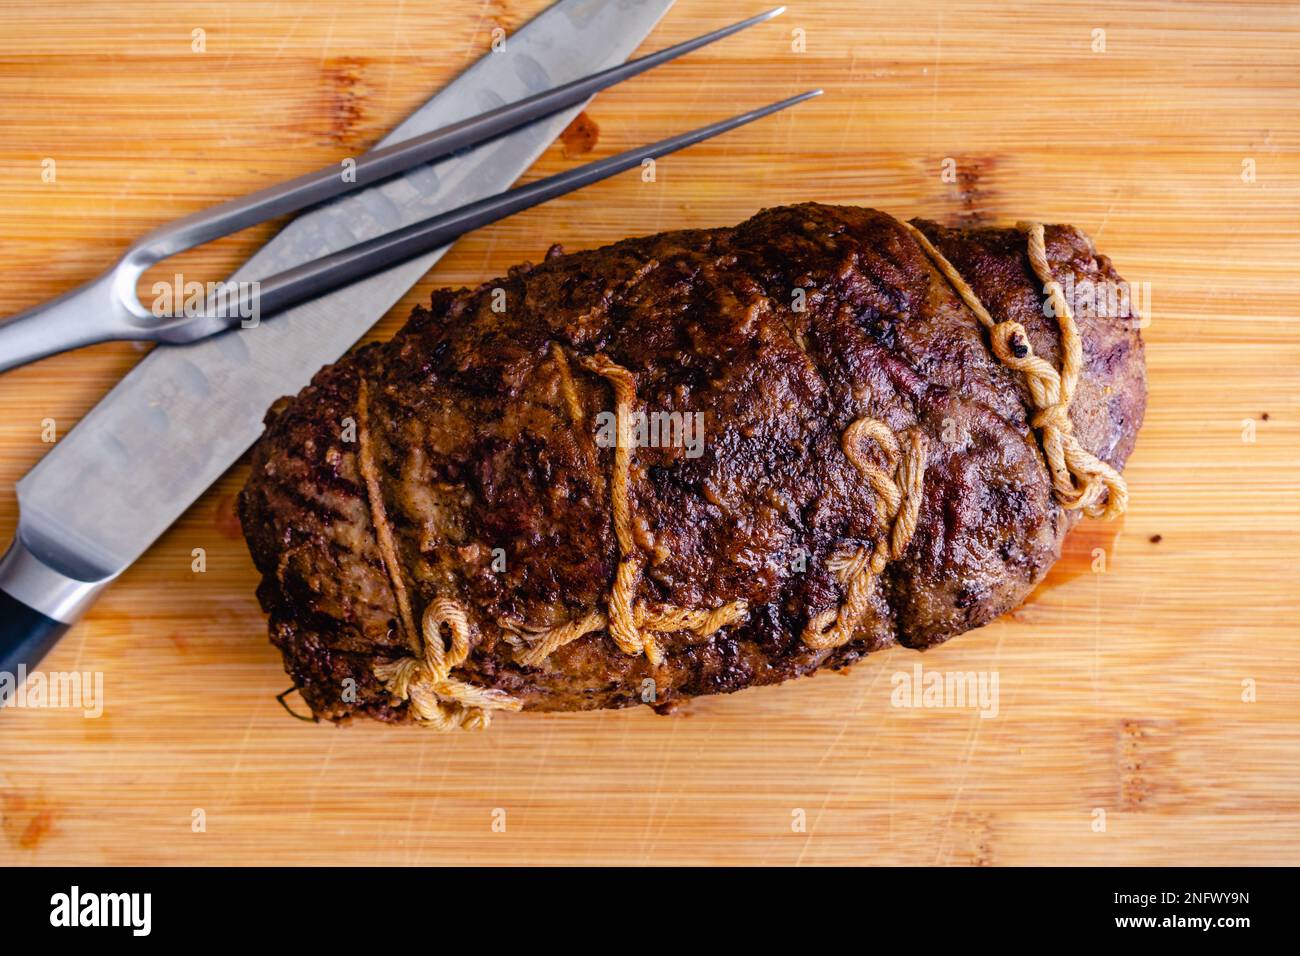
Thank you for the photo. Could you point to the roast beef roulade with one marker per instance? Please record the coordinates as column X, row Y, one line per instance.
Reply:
column 692, row 463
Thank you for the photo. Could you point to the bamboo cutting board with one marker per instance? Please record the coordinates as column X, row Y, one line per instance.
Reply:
column 1149, row 707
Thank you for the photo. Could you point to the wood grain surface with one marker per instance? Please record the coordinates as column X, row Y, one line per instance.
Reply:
column 1148, row 712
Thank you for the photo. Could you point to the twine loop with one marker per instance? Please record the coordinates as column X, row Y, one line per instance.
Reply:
column 897, row 488
column 436, row 697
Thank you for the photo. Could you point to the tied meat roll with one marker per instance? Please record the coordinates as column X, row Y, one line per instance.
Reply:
column 691, row 463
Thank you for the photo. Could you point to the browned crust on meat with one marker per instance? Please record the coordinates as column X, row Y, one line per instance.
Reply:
column 483, row 429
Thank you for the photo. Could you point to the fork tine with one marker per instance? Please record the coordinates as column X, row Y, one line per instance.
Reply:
column 312, row 279
column 325, row 184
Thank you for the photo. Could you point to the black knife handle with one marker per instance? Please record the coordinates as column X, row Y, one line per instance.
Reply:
column 38, row 602
column 26, row 635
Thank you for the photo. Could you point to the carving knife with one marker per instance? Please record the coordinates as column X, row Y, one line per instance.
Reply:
column 181, row 417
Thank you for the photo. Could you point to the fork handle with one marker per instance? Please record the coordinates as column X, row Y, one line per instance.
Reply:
column 91, row 313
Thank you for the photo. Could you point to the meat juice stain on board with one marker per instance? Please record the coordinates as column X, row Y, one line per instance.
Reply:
column 346, row 95
column 580, row 136
column 27, row 818
column 224, row 518
column 1079, row 554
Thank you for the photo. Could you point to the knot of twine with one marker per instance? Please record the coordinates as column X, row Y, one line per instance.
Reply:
column 436, row 698
column 897, row 488
column 1080, row 480
column 545, row 641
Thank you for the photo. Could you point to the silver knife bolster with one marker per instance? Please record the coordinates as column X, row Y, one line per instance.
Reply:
column 57, row 595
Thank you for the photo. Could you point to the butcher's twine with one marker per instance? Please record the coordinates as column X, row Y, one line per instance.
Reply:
column 436, row 698
column 1079, row 478
column 897, row 490
column 632, row 624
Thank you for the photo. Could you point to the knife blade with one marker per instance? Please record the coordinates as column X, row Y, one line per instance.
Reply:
column 184, row 414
